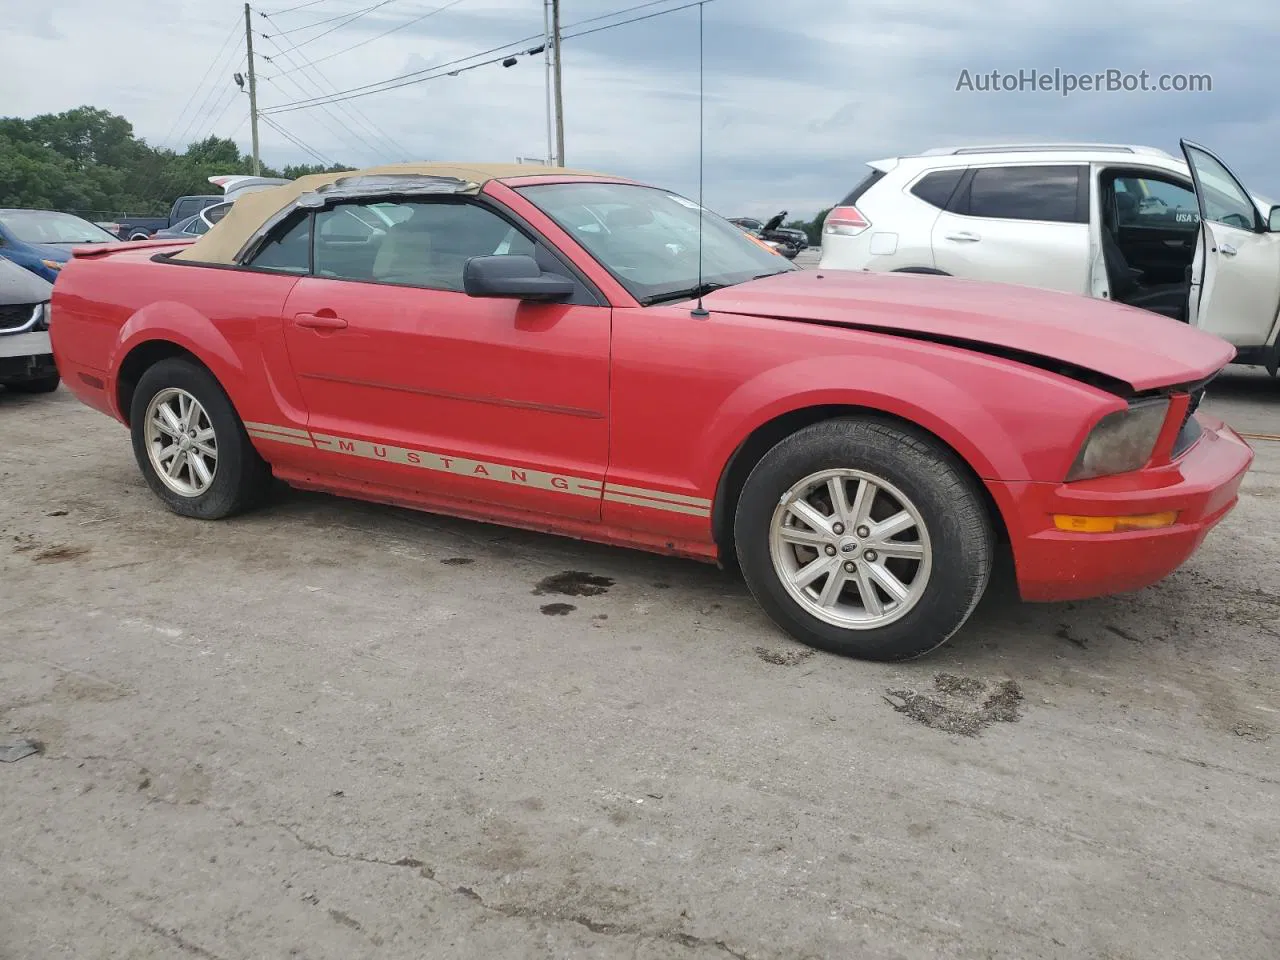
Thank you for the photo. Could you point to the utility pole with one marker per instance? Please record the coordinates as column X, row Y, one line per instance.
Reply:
column 546, row 61
column 555, row 29
column 253, row 91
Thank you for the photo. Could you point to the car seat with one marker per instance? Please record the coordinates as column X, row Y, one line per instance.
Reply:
column 405, row 253
column 1168, row 299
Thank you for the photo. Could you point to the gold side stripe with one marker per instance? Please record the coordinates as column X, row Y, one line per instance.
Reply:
column 659, row 495
column 280, row 438
column 485, row 470
column 657, row 504
column 274, row 428
column 461, row 466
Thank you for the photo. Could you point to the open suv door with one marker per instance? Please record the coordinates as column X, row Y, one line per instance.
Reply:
column 1235, row 279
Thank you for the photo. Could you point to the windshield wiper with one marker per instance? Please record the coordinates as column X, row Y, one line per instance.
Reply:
column 687, row 294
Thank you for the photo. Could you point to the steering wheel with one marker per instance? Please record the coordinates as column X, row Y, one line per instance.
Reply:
column 1237, row 220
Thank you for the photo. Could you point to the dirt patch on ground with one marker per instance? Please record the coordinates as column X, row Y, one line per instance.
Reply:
column 783, row 658
column 60, row 554
column 558, row 609
column 962, row 705
column 573, row 583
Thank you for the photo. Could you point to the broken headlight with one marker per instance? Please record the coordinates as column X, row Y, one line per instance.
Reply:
column 1121, row 441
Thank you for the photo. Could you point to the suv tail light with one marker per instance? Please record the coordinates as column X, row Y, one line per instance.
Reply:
column 845, row 222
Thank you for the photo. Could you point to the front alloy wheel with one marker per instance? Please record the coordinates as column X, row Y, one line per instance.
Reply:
column 864, row 537
column 851, row 549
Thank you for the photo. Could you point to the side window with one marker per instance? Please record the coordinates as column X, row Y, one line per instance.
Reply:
column 1026, row 193
column 197, row 227
column 214, row 214
column 421, row 244
column 188, row 208
column 1155, row 204
column 936, row 188
column 288, row 250
column 1224, row 200
column 343, row 225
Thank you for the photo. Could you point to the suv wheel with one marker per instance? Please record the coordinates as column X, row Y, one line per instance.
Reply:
column 864, row 539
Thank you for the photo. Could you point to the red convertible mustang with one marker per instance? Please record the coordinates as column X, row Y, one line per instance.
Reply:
column 533, row 350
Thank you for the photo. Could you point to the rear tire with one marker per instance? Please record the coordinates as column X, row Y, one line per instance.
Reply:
column 864, row 538
column 185, row 428
column 36, row 385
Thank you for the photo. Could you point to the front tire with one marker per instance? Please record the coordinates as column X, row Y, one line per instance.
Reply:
column 865, row 539
column 190, row 444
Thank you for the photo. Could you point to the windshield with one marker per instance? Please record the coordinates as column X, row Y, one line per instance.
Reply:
column 648, row 238
column 46, row 226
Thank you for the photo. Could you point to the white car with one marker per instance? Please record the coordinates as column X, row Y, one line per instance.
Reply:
column 1127, row 223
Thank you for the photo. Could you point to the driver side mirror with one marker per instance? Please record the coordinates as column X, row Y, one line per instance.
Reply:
column 513, row 277
column 1273, row 220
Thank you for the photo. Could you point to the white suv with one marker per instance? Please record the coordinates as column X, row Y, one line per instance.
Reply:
column 1128, row 223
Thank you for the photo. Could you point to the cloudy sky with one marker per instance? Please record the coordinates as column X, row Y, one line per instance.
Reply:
column 799, row 93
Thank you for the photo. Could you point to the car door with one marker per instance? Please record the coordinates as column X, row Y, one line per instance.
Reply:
column 1154, row 219
column 411, row 383
column 1026, row 224
column 1235, row 278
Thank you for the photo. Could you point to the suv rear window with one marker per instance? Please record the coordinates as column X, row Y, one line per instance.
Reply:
column 936, row 188
column 1026, row 193
column 867, row 183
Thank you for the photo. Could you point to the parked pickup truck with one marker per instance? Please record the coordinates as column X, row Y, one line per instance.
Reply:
column 142, row 228
column 233, row 185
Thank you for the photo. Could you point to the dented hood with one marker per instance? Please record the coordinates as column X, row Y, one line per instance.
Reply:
column 1139, row 348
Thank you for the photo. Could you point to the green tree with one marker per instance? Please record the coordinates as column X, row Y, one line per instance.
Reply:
column 89, row 161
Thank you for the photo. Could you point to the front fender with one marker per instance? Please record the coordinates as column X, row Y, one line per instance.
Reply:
column 889, row 388
column 1005, row 420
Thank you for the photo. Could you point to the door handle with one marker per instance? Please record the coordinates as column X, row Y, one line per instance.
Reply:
column 964, row 236
column 316, row 321
column 1227, row 250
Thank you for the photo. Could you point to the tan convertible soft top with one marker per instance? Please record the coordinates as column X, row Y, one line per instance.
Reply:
column 250, row 212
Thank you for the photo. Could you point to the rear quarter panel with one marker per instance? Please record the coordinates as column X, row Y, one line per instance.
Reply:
column 104, row 307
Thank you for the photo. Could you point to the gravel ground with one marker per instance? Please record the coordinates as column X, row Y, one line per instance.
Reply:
column 337, row 730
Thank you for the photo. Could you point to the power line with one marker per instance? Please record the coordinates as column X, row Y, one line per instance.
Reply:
column 299, row 104
column 438, row 71
column 311, row 3
column 648, row 16
column 342, row 130
column 315, row 154
column 220, row 107
column 213, row 63
column 618, row 13
column 353, row 17
column 211, row 100
column 213, row 127
column 407, row 23
column 360, row 119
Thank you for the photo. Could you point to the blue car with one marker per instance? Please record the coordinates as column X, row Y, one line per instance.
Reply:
column 42, row 240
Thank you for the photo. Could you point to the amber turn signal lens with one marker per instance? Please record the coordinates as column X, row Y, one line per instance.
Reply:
column 1145, row 521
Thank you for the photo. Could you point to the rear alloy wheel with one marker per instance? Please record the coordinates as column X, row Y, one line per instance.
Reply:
column 190, row 444
column 182, row 445
column 865, row 539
